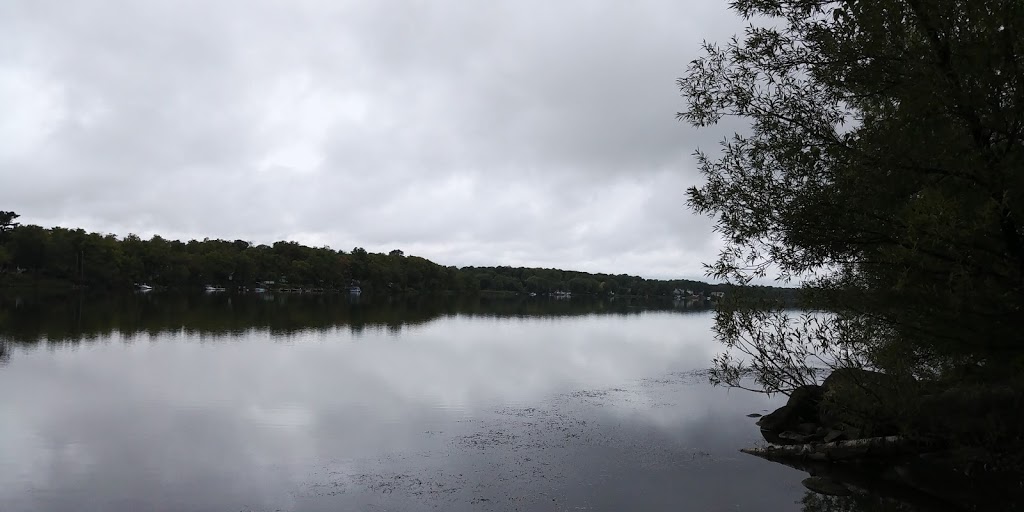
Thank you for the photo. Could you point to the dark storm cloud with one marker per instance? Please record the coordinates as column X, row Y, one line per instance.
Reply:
column 523, row 133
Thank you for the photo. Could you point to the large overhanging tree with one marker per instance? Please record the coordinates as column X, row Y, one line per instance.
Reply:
column 883, row 169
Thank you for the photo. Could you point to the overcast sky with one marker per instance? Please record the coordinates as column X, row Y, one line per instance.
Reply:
column 471, row 133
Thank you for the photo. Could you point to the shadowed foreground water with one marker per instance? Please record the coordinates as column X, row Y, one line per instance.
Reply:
column 482, row 407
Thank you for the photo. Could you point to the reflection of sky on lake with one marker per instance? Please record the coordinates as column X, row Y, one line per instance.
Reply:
column 458, row 413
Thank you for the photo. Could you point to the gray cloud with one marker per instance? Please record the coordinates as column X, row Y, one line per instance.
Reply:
column 523, row 133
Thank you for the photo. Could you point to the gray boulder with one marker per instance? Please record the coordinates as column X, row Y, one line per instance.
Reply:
column 801, row 408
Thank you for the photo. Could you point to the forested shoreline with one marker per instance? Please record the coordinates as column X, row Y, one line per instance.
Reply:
column 34, row 256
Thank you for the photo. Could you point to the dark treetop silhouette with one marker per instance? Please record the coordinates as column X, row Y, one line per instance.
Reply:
column 882, row 168
column 58, row 257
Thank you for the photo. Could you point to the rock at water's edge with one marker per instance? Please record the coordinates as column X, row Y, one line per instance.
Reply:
column 801, row 408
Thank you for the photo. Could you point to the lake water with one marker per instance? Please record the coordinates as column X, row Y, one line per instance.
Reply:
column 235, row 403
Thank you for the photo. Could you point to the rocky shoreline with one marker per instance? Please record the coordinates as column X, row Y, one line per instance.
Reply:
column 863, row 433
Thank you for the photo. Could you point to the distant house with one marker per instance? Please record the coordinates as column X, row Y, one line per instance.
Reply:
column 717, row 295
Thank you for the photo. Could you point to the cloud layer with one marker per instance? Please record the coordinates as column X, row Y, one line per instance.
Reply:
column 520, row 133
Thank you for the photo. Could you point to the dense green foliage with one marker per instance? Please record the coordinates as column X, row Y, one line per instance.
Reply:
column 32, row 255
column 882, row 167
column 95, row 260
column 548, row 280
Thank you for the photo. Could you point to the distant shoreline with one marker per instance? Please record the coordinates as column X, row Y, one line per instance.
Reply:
column 33, row 257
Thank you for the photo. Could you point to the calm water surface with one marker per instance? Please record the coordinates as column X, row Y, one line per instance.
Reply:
column 292, row 403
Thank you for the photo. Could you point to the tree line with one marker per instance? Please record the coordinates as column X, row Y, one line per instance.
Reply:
column 33, row 255
column 94, row 260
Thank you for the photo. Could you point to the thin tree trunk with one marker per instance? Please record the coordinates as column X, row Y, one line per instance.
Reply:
column 835, row 451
